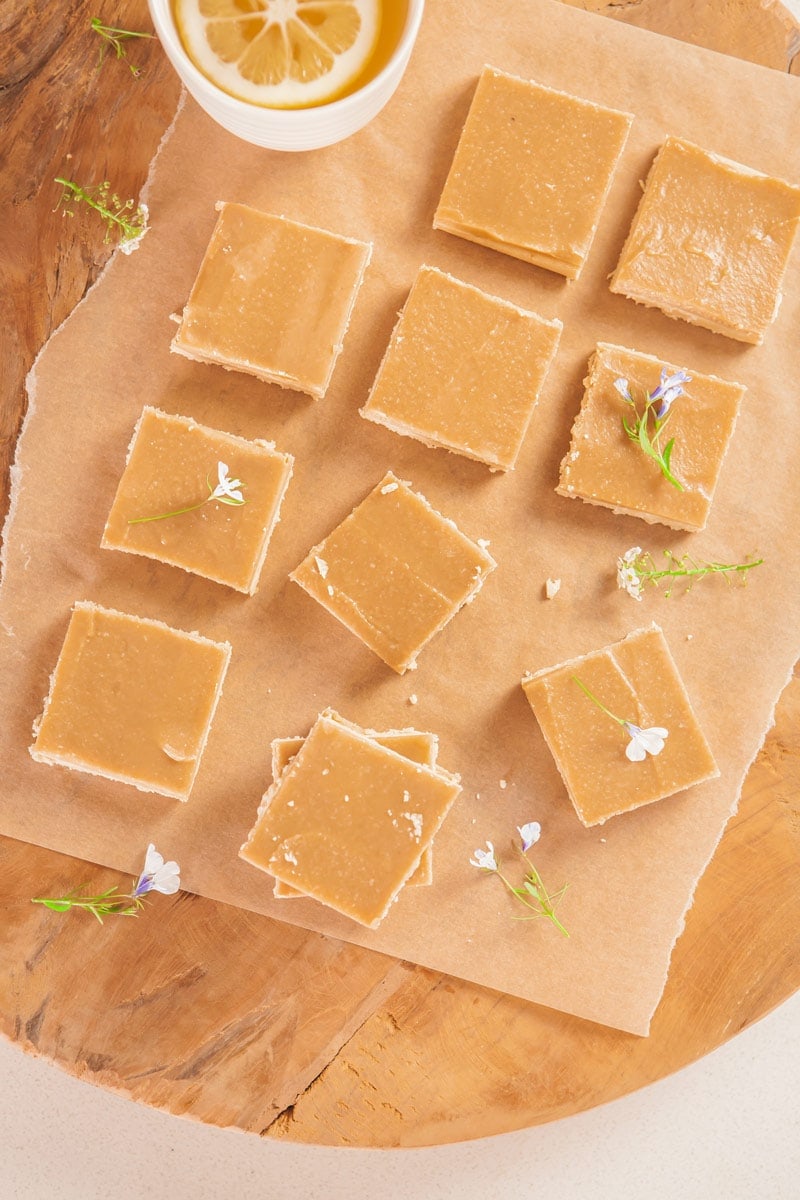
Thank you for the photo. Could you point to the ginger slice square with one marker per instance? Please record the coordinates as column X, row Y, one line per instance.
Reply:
column 710, row 242
column 132, row 700
column 463, row 370
column 347, row 821
column 272, row 298
column 394, row 572
column 532, row 171
column 603, row 466
column 419, row 747
column 173, row 464
column 637, row 681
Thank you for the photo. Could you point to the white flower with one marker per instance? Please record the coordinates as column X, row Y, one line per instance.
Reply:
column 643, row 741
column 627, row 576
column 484, row 859
column 226, row 489
column 622, row 387
column 157, row 876
column 530, row 833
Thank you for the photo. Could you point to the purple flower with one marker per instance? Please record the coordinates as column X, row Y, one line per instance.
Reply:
column 668, row 390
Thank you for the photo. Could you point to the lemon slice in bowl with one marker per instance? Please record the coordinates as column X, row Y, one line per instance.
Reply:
column 280, row 53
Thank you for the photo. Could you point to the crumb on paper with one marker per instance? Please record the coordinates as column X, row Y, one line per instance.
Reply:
column 603, row 840
column 552, row 588
column 412, row 699
column 503, row 784
column 689, row 637
column 484, row 543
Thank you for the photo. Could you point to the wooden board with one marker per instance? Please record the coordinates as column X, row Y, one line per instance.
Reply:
column 237, row 1020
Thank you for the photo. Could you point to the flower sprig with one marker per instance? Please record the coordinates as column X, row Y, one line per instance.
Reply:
column 156, row 876
column 115, row 38
column 637, row 568
column 125, row 218
column 646, row 427
column 642, row 741
column 533, row 893
column 226, row 492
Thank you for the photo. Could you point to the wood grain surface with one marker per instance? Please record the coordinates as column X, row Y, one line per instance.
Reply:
column 209, row 1011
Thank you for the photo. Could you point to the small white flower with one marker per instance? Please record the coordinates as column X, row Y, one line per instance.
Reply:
column 643, row 741
column 157, row 876
column 530, row 832
column 622, row 387
column 226, row 489
column 484, row 859
column 627, row 576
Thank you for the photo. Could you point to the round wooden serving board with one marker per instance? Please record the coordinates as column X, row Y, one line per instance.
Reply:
column 207, row 1010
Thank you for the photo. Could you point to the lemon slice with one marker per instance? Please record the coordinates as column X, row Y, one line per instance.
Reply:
column 280, row 53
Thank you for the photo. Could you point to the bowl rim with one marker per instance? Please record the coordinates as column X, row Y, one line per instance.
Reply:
column 192, row 76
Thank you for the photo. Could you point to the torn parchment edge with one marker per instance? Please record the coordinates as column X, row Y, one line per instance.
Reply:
column 16, row 470
column 681, row 923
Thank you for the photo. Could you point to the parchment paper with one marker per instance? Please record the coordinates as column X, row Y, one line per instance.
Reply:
column 631, row 880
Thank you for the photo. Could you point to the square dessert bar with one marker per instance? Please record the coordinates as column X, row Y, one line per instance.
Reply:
column 174, row 463
column 637, row 681
column 347, row 821
column 419, row 747
column 273, row 298
column 604, row 466
column 131, row 700
column 532, row 171
column 394, row 572
column 463, row 370
column 710, row 242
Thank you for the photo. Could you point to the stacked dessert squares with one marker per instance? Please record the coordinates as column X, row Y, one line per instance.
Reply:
column 349, row 817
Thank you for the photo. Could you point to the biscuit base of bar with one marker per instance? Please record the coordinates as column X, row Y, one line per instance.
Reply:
column 536, row 258
column 677, row 314
column 620, row 511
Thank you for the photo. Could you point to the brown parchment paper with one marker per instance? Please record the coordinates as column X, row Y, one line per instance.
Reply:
column 631, row 880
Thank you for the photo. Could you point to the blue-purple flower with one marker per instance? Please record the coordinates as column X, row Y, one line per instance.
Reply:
column 529, row 834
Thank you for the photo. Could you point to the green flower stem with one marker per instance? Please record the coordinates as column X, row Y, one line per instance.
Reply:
column 698, row 572
column 640, row 433
column 129, row 227
column 115, row 37
column 105, row 905
column 594, row 700
column 175, row 513
column 544, row 905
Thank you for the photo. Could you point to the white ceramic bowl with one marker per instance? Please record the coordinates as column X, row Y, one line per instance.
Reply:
column 288, row 129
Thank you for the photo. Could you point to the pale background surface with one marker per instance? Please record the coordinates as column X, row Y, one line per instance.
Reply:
column 726, row 1127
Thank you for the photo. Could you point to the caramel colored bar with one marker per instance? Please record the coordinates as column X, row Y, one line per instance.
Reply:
column 273, row 298
column 463, row 370
column 347, row 821
column 532, row 171
column 603, row 466
column 637, row 680
column 131, row 700
column 394, row 572
column 419, row 747
column 710, row 242
column 172, row 463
